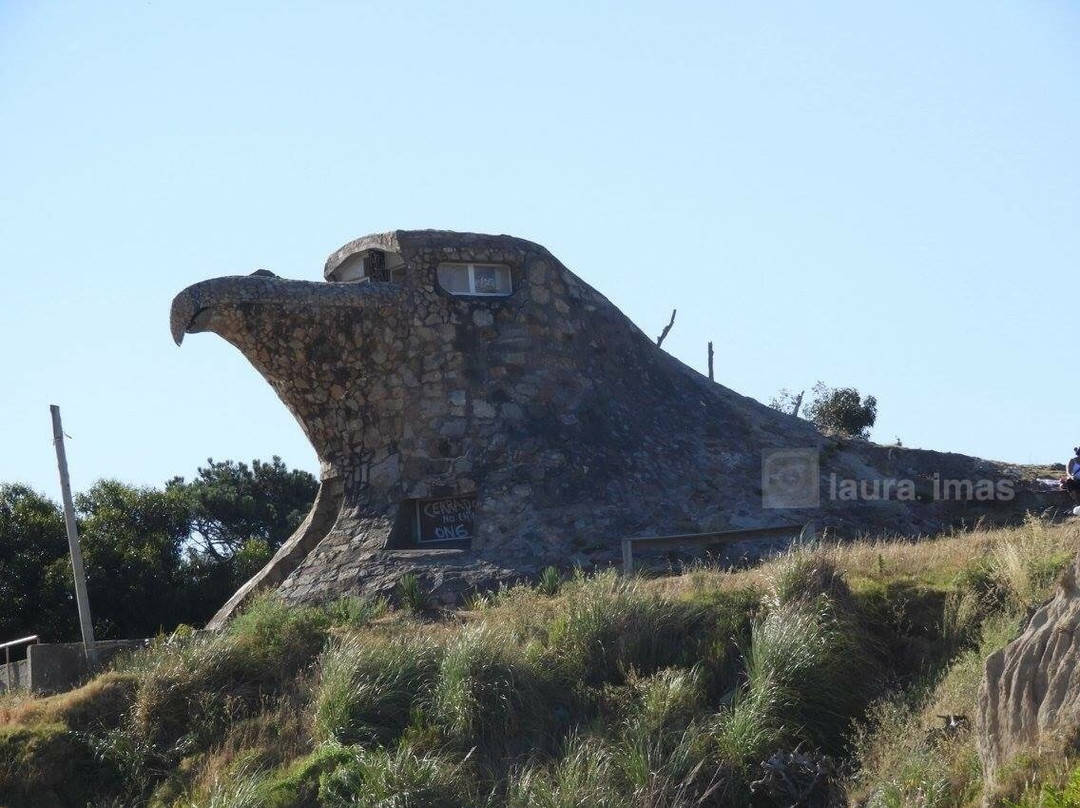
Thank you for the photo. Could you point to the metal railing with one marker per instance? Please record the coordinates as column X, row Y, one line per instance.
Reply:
column 804, row 532
column 6, row 648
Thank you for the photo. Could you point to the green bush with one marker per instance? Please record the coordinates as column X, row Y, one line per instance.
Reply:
column 810, row 667
column 1051, row 796
column 842, row 411
column 237, row 787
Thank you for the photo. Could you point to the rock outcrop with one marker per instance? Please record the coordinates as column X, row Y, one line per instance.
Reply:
column 1029, row 698
column 480, row 412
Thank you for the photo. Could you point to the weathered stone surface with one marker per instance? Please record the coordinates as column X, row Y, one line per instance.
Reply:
column 568, row 426
column 1029, row 698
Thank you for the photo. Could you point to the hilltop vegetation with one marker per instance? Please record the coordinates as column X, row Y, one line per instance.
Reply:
column 155, row 557
column 584, row 691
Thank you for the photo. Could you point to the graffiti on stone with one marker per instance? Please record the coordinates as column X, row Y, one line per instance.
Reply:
column 444, row 519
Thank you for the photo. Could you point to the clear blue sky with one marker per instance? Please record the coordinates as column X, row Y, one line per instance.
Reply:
column 885, row 196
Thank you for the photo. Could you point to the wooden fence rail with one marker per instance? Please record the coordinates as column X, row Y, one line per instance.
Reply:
column 804, row 532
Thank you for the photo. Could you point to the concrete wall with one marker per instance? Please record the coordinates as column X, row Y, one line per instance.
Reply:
column 17, row 674
column 53, row 667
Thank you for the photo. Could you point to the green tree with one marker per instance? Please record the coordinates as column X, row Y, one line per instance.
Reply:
column 154, row 557
column 233, row 504
column 842, row 410
column 133, row 541
column 35, row 575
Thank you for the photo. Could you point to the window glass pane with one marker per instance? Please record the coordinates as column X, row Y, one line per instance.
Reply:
column 454, row 278
column 491, row 279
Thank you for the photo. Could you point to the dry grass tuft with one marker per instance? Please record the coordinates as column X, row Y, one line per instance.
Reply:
column 100, row 703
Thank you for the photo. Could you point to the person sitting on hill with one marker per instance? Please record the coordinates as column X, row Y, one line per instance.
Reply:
column 1071, row 481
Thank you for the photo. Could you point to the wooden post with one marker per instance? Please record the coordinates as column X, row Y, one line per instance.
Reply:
column 711, row 379
column 627, row 557
column 81, row 598
column 798, row 404
column 667, row 328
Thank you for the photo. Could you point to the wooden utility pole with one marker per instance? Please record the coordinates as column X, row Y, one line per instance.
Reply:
column 81, row 597
column 711, row 379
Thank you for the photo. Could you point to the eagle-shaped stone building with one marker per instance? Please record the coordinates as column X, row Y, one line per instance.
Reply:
column 480, row 412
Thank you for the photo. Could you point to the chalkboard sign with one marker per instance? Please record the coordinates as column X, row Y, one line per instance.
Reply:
column 445, row 519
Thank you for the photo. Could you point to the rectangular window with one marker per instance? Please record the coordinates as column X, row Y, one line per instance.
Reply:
column 447, row 519
column 475, row 279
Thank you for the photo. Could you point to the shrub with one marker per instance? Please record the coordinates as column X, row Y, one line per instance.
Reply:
column 1027, row 563
column 978, row 578
column 237, row 787
column 960, row 622
column 669, row 700
column 803, row 575
column 99, row 704
column 666, row 754
column 297, row 785
column 1047, row 795
column 842, row 410
column 193, row 688
column 270, row 627
column 903, row 764
column 902, row 759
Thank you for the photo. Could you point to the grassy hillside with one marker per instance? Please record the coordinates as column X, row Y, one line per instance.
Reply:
column 824, row 669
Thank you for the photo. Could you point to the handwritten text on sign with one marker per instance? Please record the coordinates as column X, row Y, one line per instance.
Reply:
column 442, row 519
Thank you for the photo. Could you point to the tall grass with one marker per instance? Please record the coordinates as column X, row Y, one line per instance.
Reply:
column 199, row 684
column 666, row 754
column 412, row 593
column 809, row 668
column 241, row 787
column 599, row 691
column 400, row 777
column 584, row 777
column 355, row 613
column 610, row 625
column 804, row 574
column 496, row 696
column 368, row 686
